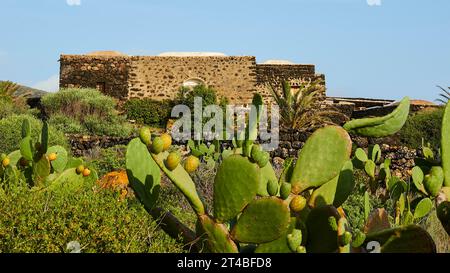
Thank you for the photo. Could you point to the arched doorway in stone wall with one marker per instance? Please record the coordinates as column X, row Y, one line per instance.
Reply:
column 193, row 82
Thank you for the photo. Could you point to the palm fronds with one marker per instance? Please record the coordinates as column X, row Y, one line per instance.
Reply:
column 302, row 109
column 444, row 96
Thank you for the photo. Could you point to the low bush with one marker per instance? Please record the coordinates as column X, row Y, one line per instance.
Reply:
column 9, row 107
column 67, row 124
column 148, row 111
column 109, row 159
column 186, row 96
column 85, row 111
column 45, row 222
column 11, row 128
column 424, row 125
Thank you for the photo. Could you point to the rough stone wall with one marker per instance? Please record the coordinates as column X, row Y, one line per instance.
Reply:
column 107, row 73
column 161, row 77
column 274, row 74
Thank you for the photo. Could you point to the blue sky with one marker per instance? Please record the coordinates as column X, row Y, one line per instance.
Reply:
column 388, row 49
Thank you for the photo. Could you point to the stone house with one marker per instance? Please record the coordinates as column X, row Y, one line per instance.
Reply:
column 160, row 77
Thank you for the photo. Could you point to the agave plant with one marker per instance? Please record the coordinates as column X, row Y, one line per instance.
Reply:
column 302, row 109
column 445, row 95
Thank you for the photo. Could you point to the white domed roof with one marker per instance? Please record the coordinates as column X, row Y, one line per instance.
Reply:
column 192, row 54
column 278, row 62
column 105, row 53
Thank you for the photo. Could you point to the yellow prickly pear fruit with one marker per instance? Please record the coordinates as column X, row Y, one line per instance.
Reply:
column 86, row 172
column 298, row 203
column 191, row 164
column 145, row 135
column 157, row 145
column 5, row 162
column 80, row 169
column 172, row 161
column 167, row 140
column 52, row 156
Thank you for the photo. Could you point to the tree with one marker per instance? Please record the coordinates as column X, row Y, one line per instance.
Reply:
column 303, row 109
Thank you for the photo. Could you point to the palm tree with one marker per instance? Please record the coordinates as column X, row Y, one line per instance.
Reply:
column 445, row 95
column 302, row 109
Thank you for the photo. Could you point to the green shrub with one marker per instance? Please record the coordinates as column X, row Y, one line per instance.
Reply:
column 109, row 159
column 115, row 126
column 424, row 125
column 45, row 222
column 11, row 128
column 88, row 108
column 186, row 96
column 67, row 124
column 148, row 111
column 8, row 108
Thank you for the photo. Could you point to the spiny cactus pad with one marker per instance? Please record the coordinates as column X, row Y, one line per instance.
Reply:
column 407, row 239
column 235, row 186
column 217, row 236
column 445, row 145
column 41, row 169
column 61, row 160
column 322, row 235
column 443, row 213
column 336, row 191
column 262, row 221
column 381, row 126
column 321, row 159
column 143, row 173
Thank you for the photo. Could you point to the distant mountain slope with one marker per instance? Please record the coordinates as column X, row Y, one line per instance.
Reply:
column 28, row 92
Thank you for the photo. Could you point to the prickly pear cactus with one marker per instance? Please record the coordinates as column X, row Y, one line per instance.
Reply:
column 381, row 126
column 321, row 159
column 298, row 212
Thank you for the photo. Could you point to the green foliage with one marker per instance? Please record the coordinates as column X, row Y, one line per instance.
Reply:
column 11, row 128
column 186, row 96
column 301, row 110
column 148, row 111
column 109, row 159
column 45, row 222
column 67, row 124
column 88, row 108
column 9, row 108
column 444, row 96
column 7, row 89
column 423, row 126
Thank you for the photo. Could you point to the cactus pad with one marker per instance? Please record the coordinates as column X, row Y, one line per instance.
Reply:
column 322, row 235
column 434, row 180
column 408, row 239
column 143, row 173
column 235, row 186
column 321, row 158
column 262, row 221
column 445, row 145
column 267, row 174
column 61, row 160
column 423, row 208
column 381, row 126
column 217, row 236
column 280, row 245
